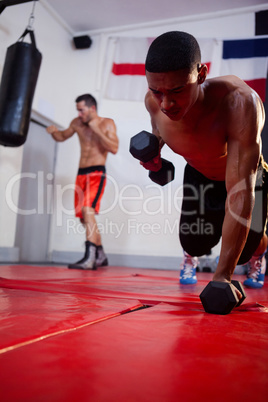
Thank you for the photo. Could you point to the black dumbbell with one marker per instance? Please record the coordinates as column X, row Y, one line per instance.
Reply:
column 240, row 287
column 220, row 297
column 145, row 146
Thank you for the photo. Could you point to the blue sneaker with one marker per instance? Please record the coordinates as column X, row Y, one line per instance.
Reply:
column 256, row 272
column 188, row 270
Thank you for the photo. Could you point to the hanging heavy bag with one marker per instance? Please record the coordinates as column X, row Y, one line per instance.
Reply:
column 17, row 88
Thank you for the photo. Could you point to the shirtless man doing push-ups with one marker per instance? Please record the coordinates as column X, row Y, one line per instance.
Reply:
column 216, row 125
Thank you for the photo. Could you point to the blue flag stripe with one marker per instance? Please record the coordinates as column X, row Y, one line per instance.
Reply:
column 245, row 48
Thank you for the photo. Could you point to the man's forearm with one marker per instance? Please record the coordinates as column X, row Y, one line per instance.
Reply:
column 110, row 144
column 234, row 235
column 58, row 136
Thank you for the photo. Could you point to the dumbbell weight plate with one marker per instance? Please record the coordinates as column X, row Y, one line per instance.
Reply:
column 164, row 175
column 240, row 287
column 219, row 298
column 144, row 146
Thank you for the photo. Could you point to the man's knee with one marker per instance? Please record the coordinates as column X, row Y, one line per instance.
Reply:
column 87, row 212
column 196, row 251
column 198, row 237
column 198, row 245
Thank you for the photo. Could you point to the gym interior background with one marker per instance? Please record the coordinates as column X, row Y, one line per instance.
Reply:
column 38, row 177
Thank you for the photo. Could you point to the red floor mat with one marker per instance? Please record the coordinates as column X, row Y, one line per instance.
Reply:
column 28, row 316
column 64, row 337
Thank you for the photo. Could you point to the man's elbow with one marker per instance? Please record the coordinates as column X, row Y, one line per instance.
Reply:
column 114, row 149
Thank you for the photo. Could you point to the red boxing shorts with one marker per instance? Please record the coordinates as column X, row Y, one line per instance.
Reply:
column 89, row 188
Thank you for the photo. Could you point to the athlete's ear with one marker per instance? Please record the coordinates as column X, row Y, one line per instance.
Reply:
column 202, row 73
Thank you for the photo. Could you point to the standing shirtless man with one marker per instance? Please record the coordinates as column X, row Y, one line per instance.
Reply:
column 216, row 126
column 97, row 137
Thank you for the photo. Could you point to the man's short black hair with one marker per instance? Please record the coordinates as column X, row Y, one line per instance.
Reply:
column 89, row 100
column 173, row 51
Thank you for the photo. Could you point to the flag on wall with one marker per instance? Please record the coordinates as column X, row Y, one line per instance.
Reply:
column 248, row 59
column 127, row 76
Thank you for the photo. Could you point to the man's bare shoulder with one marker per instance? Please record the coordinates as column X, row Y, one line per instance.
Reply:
column 76, row 123
column 228, row 85
column 242, row 95
column 107, row 123
column 231, row 93
column 239, row 106
column 107, row 120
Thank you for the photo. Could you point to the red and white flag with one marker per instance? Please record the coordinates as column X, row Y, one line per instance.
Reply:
column 247, row 59
column 127, row 78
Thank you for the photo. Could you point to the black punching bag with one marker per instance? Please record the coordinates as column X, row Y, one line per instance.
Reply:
column 17, row 88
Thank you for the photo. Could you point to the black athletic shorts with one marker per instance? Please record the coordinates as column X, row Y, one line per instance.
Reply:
column 203, row 211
